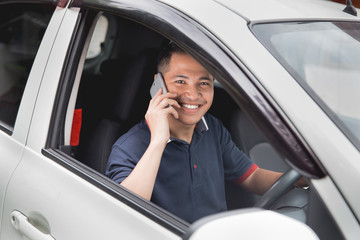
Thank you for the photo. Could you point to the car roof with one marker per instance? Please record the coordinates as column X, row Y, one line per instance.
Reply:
column 267, row 10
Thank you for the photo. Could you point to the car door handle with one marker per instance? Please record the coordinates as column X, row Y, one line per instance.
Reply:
column 21, row 223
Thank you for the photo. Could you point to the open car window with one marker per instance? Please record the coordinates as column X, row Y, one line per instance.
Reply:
column 107, row 103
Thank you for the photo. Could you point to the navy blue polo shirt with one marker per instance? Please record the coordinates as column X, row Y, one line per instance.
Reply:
column 191, row 177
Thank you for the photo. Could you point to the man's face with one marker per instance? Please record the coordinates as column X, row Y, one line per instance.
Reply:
column 194, row 86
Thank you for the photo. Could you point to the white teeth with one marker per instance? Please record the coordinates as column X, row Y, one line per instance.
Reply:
column 190, row 106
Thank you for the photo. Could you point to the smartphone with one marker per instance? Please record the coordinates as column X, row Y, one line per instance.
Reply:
column 157, row 84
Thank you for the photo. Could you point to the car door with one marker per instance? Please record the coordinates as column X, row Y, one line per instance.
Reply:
column 54, row 194
column 21, row 30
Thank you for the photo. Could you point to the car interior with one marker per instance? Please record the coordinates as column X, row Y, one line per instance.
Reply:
column 113, row 96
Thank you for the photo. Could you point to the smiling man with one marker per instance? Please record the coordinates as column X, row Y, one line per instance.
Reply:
column 179, row 156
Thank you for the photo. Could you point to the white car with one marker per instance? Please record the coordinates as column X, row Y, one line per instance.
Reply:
column 75, row 75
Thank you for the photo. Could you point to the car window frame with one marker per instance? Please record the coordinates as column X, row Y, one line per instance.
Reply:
column 235, row 78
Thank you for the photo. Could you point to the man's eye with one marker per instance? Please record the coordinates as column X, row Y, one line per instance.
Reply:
column 204, row 83
column 180, row 81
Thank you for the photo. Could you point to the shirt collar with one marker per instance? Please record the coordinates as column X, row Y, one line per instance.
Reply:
column 200, row 127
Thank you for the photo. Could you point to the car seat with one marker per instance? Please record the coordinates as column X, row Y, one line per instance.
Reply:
column 130, row 104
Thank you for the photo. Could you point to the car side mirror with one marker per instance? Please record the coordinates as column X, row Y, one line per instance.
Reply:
column 250, row 223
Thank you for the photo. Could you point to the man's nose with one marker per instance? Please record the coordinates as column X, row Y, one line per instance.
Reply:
column 192, row 91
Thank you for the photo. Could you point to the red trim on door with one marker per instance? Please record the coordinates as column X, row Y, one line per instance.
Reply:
column 76, row 127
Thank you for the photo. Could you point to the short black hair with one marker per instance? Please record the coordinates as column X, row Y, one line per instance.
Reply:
column 165, row 56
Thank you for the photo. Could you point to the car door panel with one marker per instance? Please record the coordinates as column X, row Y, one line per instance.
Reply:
column 12, row 143
column 72, row 207
column 11, row 151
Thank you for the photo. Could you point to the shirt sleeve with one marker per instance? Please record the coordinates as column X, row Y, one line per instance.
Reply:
column 120, row 164
column 125, row 154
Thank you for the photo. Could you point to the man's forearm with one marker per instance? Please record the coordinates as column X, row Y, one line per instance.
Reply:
column 261, row 180
column 142, row 179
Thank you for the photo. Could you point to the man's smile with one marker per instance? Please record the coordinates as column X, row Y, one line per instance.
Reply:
column 190, row 106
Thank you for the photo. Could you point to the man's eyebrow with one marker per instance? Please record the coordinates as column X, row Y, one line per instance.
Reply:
column 181, row 76
column 206, row 78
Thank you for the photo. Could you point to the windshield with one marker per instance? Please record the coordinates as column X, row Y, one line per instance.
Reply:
column 324, row 57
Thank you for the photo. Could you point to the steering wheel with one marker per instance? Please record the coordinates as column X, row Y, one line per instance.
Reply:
column 282, row 185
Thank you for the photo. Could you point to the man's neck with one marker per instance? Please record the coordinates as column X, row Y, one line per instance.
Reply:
column 181, row 131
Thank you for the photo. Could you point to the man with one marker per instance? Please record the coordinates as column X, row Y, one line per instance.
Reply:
column 179, row 157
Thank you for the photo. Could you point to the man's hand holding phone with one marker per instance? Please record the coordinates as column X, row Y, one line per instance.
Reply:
column 158, row 113
column 161, row 107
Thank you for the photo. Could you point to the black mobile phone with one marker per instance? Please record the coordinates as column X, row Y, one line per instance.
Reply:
column 157, row 84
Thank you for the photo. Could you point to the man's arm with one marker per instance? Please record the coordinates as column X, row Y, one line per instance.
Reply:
column 261, row 180
column 142, row 179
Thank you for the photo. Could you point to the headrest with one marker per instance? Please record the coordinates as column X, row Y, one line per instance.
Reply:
column 133, row 95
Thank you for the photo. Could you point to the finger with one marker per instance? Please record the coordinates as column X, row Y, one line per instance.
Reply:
column 167, row 95
column 159, row 97
column 156, row 96
column 170, row 95
column 173, row 112
column 174, row 103
column 163, row 101
column 169, row 102
column 159, row 92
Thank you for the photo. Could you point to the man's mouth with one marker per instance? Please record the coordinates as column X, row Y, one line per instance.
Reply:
column 189, row 106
